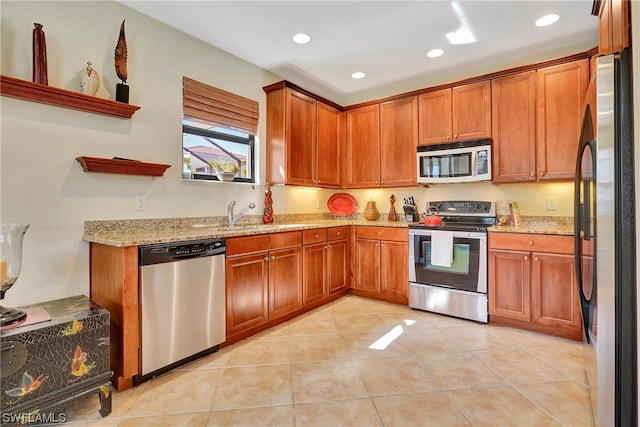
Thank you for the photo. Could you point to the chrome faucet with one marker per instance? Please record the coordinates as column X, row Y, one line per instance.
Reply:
column 233, row 219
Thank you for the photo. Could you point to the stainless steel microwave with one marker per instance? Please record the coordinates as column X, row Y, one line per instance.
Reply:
column 465, row 161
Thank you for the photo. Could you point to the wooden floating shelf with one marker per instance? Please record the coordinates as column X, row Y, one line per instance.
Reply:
column 44, row 94
column 128, row 167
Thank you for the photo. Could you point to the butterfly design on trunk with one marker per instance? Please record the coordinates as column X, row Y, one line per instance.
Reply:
column 78, row 366
column 28, row 385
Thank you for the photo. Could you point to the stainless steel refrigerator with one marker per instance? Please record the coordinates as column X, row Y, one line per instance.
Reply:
column 604, row 218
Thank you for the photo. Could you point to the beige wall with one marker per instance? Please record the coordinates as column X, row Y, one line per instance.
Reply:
column 42, row 184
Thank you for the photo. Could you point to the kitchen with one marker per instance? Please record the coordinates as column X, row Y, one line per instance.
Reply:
column 61, row 196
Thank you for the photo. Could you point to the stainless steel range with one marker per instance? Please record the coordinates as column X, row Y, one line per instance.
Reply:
column 448, row 262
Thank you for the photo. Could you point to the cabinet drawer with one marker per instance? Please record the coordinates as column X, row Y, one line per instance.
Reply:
column 337, row 233
column 314, row 236
column 532, row 242
column 247, row 244
column 288, row 239
column 382, row 233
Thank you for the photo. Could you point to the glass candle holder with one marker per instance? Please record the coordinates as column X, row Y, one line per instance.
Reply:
column 10, row 264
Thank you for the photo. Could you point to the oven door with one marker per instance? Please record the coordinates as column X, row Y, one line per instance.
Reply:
column 468, row 270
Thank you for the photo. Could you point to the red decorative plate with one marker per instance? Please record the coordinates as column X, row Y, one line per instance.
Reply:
column 342, row 204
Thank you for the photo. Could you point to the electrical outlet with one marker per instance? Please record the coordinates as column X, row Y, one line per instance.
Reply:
column 551, row 203
column 318, row 204
column 141, row 203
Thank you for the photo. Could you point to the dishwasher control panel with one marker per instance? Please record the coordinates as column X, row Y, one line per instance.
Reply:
column 175, row 251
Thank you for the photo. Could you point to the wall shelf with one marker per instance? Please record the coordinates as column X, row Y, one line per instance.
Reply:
column 36, row 92
column 128, row 167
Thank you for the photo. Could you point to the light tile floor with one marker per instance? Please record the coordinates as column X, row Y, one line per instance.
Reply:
column 361, row 362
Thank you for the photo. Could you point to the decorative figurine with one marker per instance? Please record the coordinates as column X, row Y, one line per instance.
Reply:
column 39, row 56
column 370, row 211
column 393, row 216
column 267, row 217
column 89, row 80
column 120, row 62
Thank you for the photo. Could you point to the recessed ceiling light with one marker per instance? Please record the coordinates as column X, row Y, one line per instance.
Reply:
column 434, row 53
column 547, row 20
column 302, row 38
column 358, row 75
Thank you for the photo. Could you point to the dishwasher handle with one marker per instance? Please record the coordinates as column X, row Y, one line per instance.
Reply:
column 179, row 251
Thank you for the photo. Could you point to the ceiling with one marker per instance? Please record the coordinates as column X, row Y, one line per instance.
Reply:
column 387, row 40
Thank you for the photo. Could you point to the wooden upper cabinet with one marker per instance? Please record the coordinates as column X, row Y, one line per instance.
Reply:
column 613, row 25
column 560, row 92
column 303, row 140
column 513, row 109
column 300, row 137
column 434, row 126
column 471, row 111
column 455, row 114
column 328, row 152
column 363, row 147
column 398, row 142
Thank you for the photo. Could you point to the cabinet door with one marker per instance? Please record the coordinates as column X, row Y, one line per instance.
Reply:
column 247, row 281
column 554, row 293
column 561, row 90
column 367, row 265
column 314, row 276
column 394, row 277
column 434, row 117
column 613, row 26
column 471, row 111
column 300, row 138
column 285, row 282
column 398, row 141
column 337, row 266
column 328, row 152
column 509, row 284
column 513, row 108
column 363, row 147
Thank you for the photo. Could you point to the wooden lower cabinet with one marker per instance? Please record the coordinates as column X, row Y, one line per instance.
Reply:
column 325, row 257
column 532, row 283
column 285, row 282
column 247, row 279
column 263, row 280
column 380, row 263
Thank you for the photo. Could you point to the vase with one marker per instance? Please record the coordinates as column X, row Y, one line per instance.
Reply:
column 370, row 211
column 39, row 56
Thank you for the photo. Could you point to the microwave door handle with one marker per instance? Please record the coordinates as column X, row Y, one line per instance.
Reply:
column 474, row 165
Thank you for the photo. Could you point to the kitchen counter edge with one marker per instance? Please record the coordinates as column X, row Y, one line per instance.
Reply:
column 123, row 238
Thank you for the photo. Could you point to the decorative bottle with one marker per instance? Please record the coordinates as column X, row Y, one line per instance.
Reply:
column 393, row 215
column 39, row 56
column 89, row 80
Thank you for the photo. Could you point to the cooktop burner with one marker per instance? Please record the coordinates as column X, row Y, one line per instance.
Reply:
column 461, row 215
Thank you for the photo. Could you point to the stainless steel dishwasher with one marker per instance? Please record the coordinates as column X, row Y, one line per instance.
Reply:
column 182, row 303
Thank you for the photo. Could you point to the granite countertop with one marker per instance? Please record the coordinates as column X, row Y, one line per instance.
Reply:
column 137, row 232
column 539, row 225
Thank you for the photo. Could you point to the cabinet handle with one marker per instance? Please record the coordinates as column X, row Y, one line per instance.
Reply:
column 266, row 259
column 273, row 257
column 530, row 242
column 315, row 236
column 536, row 258
column 455, row 136
column 338, row 233
column 448, row 136
column 526, row 257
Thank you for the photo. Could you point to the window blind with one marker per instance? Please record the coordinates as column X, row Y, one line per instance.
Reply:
column 210, row 105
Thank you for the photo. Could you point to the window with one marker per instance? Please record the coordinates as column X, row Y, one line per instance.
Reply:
column 218, row 134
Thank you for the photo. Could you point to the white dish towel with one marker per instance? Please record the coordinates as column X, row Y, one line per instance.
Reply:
column 441, row 248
